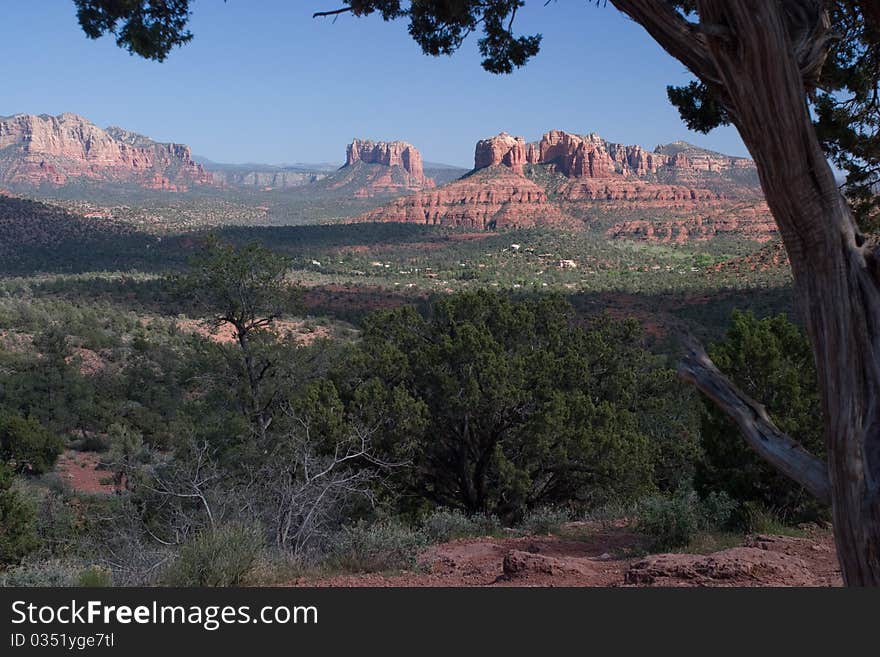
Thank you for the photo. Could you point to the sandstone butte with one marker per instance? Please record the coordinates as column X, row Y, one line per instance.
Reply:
column 697, row 194
column 58, row 150
column 376, row 168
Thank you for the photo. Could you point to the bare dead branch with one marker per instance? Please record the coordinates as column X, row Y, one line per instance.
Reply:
column 759, row 431
column 333, row 12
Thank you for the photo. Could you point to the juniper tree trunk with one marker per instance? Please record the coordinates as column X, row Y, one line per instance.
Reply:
column 756, row 54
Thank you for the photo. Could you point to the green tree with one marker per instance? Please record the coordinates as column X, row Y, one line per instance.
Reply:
column 26, row 446
column 768, row 359
column 245, row 288
column 523, row 407
column 18, row 533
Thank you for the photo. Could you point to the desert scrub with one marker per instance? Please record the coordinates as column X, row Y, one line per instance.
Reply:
column 377, row 547
column 672, row 521
column 545, row 520
column 448, row 524
column 224, row 556
column 51, row 573
column 95, row 577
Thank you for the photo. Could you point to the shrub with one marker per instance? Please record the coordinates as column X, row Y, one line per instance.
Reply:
column 378, row 547
column 545, row 520
column 669, row 521
column 755, row 518
column 93, row 442
column 26, row 445
column 448, row 524
column 672, row 521
column 95, row 577
column 718, row 510
column 51, row 573
column 224, row 556
column 18, row 534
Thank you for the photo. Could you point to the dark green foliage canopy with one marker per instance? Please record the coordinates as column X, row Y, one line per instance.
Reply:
column 25, row 445
column 770, row 360
column 523, row 407
column 149, row 28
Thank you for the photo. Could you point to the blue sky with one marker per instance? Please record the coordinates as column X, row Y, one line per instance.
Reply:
column 264, row 82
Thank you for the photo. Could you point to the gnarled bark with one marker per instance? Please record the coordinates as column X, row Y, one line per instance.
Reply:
column 759, row 53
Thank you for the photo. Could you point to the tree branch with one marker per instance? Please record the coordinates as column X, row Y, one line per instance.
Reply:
column 334, row 12
column 675, row 35
column 781, row 451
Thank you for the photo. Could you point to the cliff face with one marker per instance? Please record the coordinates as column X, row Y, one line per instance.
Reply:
column 57, row 150
column 590, row 156
column 566, row 176
column 483, row 201
column 502, row 150
column 266, row 180
column 402, row 164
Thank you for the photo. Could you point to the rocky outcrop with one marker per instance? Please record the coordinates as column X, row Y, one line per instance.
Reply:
column 58, row 150
column 701, row 194
column 738, row 566
column 501, row 150
column 482, row 201
column 591, row 156
column 752, row 222
column 395, row 154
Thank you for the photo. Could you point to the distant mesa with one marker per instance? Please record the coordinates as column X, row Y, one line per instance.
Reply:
column 42, row 150
column 481, row 201
column 563, row 178
column 385, row 167
column 591, row 156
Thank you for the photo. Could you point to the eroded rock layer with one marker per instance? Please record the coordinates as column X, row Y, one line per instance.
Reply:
column 397, row 166
column 674, row 193
column 58, row 150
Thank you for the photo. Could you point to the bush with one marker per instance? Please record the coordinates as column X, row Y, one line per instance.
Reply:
column 95, row 577
column 378, row 547
column 26, row 445
column 545, row 520
column 18, row 533
column 672, row 521
column 448, row 524
column 755, row 518
column 224, row 556
column 718, row 510
column 669, row 521
column 93, row 442
column 52, row 573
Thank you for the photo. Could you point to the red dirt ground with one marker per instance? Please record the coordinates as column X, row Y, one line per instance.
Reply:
column 79, row 471
column 594, row 559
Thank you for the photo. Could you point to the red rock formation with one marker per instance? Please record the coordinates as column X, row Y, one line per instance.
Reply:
column 484, row 201
column 590, row 156
column 594, row 177
column 389, row 154
column 501, row 150
column 751, row 222
column 56, row 150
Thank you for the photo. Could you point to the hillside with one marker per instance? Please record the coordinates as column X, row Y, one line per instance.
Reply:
column 38, row 152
